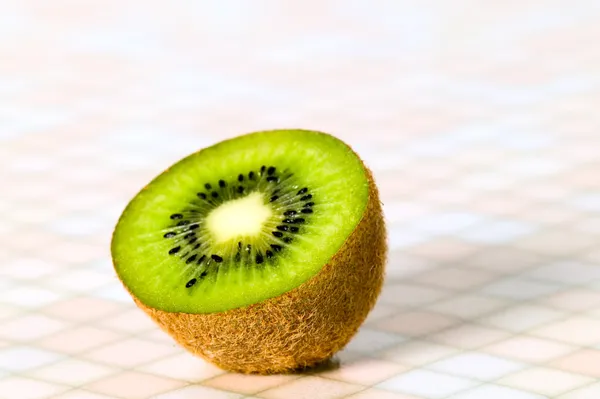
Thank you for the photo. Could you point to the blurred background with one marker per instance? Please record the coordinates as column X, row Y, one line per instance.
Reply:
column 479, row 119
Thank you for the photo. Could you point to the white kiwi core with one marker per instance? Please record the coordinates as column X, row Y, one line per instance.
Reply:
column 240, row 217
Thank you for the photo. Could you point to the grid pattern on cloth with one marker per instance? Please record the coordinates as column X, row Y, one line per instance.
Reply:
column 480, row 123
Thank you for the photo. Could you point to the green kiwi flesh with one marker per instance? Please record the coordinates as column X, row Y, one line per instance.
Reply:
column 240, row 222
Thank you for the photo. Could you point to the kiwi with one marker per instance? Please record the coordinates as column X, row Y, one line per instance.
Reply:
column 263, row 253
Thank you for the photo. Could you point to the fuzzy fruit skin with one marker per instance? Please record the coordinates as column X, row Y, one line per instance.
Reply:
column 301, row 327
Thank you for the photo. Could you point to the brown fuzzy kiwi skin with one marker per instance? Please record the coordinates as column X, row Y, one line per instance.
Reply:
column 302, row 327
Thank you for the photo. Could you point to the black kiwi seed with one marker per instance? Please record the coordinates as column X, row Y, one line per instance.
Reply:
column 290, row 213
column 248, row 248
column 259, row 259
column 271, row 170
column 277, row 234
column 190, row 283
column 214, row 194
column 276, row 247
column 262, row 169
column 174, row 250
column 303, row 191
column 307, row 210
column 170, row 234
column 176, row 216
column 193, row 240
column 309, row 204
column 189, row 235
column 201, row 259
column 239, row 245
column 306, row 197
column 182, row 223
column 282, row 228
column 222, row 183
column 273, row 198
column 196, row 247
column 193, row 226
column 202, row 195
column 204, row 274
column 294, row 229
column 269, row 254
column 240, row 189
column 287, row 240
column 272, row 179
column 217, row 258
column 251, row 175
column 191, row 259
column 288, row 220
column 207, row 186
column 241, row 177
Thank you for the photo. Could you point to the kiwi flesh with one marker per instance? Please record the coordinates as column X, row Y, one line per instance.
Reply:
column 263, row 253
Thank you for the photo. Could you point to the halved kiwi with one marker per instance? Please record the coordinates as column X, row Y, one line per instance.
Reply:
column 263, row 253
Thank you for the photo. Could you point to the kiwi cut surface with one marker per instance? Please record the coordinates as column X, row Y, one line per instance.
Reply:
column 293, row 198
column 275, row 237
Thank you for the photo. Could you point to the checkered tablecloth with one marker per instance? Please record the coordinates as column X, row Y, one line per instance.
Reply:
column 480, row 121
